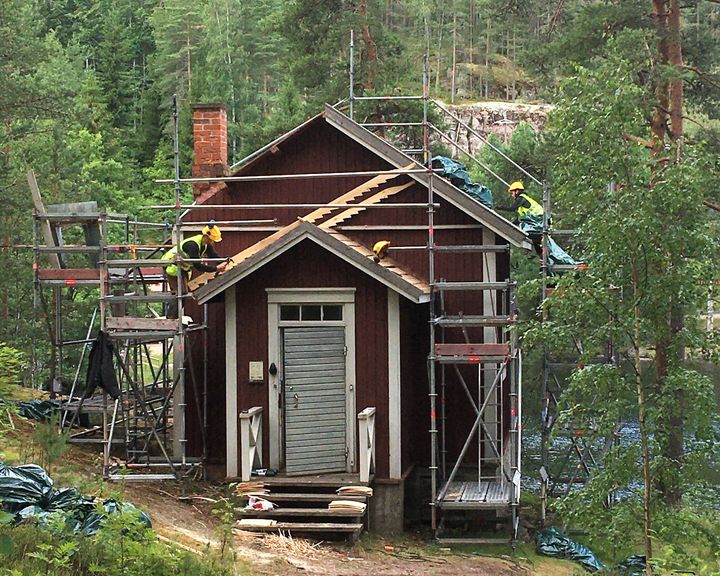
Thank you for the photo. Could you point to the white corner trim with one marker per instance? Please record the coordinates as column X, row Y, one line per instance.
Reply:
column 274, row 424
column 394, row 396
column 231, row 398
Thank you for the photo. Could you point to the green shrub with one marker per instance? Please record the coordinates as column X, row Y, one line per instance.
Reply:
column 121, row 547
column 13, row 363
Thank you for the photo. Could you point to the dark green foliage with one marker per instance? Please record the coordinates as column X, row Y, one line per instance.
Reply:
column 121, row 547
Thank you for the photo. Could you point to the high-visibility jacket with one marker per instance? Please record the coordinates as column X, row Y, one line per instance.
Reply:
column 535, row 209
column 187, row 267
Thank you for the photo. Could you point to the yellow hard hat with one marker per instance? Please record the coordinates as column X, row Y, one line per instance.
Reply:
column 212, row 232
column 380, row 249
column 517, row 185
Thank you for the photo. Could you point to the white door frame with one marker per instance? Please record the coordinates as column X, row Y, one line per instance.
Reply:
column 279, row 296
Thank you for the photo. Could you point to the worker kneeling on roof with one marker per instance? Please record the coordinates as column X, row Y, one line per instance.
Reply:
column 528, row 214
column 195, row 248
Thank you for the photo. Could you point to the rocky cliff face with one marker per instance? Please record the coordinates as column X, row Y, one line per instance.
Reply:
column 499, row 118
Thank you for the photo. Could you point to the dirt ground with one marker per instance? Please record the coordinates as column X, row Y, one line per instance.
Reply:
column 190, row 523
column 187, row 521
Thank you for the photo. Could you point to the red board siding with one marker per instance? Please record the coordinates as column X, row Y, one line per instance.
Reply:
column 310, row 266
column 321, row 148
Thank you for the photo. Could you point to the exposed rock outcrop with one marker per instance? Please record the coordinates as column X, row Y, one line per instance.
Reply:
column 499, row 118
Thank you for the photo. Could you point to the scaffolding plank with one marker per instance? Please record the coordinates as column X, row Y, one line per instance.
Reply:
column 132, row 323
column 474, row 320
column 469, row 350
column 446, row 286
column 69, row 274
column 473, row 248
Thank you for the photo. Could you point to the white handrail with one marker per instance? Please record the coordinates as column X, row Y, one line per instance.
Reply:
column 250, row 441
column 366, row 423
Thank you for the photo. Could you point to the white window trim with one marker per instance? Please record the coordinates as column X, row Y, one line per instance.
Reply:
column 280, row 296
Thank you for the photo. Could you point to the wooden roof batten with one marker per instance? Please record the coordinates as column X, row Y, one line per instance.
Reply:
column 248, row 261
column 442, row 187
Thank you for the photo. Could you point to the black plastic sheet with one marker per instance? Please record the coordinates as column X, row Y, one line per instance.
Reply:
column 28, row 492
column 23, row 486
column 37, row 409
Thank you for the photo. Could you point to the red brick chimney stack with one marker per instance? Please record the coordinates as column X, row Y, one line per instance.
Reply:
column 209, row 144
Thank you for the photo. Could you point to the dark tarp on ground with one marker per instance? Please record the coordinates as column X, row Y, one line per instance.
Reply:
column 24, row 485
column 552, row 542
column 101, row 370
column 37, row 409
column 458, row 175
column 632, row 566
column 28, row 492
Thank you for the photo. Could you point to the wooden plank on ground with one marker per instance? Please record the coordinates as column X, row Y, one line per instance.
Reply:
column 301, row 512
column 305, row 527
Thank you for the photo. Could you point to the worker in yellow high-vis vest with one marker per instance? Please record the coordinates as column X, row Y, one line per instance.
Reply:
column 528, row 210
column 523, row 204
column 193, row 248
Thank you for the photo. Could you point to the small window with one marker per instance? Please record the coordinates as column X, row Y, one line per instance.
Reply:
column 311, row 312
column 288, row 312
column 332, row 312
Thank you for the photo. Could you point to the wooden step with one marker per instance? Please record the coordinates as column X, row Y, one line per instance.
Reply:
column 307, row 527
column 322, row 481
column 302, row 512
column 296, row 497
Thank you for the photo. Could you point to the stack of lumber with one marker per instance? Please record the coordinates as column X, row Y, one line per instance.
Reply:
column 251, row 489
column 355, row 491
column 347, row 506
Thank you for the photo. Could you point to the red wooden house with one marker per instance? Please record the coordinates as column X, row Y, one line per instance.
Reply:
column 309, row 329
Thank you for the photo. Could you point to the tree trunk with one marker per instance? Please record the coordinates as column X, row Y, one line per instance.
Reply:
column 454, row 59
column 667, row 122
column 647, row 491
column 369, row 46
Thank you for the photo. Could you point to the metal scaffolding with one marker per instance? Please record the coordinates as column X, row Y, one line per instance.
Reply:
column 569, row 455
column 487, row 374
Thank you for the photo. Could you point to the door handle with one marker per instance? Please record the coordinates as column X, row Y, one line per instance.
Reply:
column 297, row 400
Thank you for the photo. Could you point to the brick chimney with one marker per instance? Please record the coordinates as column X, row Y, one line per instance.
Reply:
column 209, row 144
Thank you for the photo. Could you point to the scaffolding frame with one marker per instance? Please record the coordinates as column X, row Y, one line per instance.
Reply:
column 146, row 423
column 495, row 483
column 584, row 449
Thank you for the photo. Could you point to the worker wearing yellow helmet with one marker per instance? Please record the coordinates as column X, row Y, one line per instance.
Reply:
column 195, row 248
column 523, row 204
column 528, row 213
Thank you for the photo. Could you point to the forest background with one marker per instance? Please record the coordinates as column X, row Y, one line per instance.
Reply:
column 86, row 100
